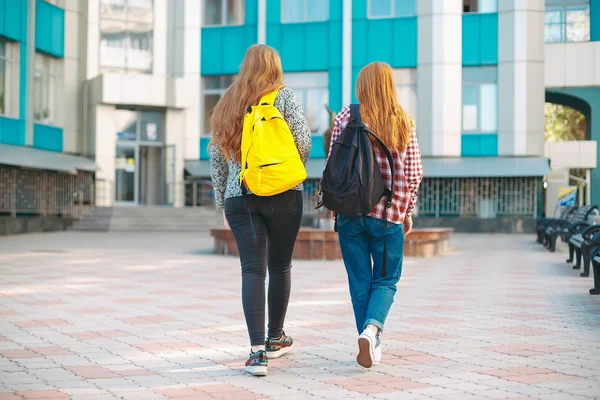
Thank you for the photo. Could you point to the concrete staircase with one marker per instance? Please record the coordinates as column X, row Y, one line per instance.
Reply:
column 150, row 219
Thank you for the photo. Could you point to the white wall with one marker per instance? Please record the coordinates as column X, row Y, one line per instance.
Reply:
column 572, row 64
column 576, row 154
column 175, row 126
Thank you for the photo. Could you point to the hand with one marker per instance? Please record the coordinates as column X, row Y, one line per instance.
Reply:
column 408, row 225
column 225, row 222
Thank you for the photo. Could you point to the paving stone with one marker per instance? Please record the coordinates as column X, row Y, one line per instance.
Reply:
column 145, row 317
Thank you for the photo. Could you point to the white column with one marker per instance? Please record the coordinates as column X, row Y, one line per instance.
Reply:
column 521, row 89
column 74, row 77
column 93, row 39
column 262, row 22
column 159, row 38
column 30, row 72
column 347, row 53
column 440, row 77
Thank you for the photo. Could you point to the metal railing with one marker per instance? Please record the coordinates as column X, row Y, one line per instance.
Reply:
column 201, row 194
column 46, row 193
column 478, row 197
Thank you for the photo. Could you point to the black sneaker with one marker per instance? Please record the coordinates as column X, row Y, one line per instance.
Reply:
column 277, row 347
column 257, row 363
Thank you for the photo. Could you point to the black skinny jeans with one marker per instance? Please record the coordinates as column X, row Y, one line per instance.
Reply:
column 265, row 230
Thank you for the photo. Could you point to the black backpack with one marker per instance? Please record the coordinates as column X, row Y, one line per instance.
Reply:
column 352, row 183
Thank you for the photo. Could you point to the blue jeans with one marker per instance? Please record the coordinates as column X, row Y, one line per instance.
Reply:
column 372, row 294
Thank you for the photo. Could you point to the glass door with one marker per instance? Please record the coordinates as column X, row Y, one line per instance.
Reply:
column 126, row 174
column 169, row 174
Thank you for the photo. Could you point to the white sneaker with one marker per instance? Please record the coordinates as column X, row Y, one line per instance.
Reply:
column 366, row 349
column 377, row 355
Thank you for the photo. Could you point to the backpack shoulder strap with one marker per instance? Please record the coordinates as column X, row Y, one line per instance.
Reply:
column 269, row 98
column 355, row 112
column 390, row 159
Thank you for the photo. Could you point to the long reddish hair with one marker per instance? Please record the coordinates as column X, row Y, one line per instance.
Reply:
column 379, row 107
column 260, row 74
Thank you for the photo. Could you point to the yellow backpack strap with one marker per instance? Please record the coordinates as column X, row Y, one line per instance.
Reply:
column 269, row 98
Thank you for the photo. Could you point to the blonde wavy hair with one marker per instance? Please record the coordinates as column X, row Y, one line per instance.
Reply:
column 260, row 74
column 379, row 107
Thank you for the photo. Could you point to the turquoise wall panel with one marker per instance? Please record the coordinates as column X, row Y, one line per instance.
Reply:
column 595, row 20
column 480, row 39
column 396, row 39
column 13, row 18
column 484, row 145
column 204, row 155
column 49, row 29
column 335, row 89
column 223, row 48
column 47, row 137
column 12, row 131
column 318, row 147
column 251, row 12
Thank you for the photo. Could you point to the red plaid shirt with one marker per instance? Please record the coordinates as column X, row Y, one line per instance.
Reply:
column 408, row 173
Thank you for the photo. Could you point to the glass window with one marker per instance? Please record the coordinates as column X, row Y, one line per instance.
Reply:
column 480, row 6
column 126, row 35
column 406, row 88
column 44, row 90
column 151, row 126
column 392, row 8
column 304, row 10
column 312, row 89
column 214, row 89
column 5, row 78
column 480, row 100
column 224, row 12
column 567, row 21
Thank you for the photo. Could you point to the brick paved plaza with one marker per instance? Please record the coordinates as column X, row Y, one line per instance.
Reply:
column 156, row 316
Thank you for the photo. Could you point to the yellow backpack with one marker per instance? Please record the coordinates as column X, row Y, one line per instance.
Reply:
column 271, row 163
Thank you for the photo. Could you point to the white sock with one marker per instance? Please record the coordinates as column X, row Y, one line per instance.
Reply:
column 257, row 348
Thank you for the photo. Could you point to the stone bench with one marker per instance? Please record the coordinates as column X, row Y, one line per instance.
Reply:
column 320, row 244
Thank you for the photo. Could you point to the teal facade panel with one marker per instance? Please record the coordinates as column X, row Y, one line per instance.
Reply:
column 223, row 47
column 317, row 149
column 396, row 41
column 49, row 29
column 204, row 155
column 13, row 19
column 480, row 39
column 12, row 131
column 47, row 138
column 310, row 46
column 484, row 145
column 595, row 20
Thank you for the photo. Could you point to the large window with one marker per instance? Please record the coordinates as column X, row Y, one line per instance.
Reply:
column 392, row 8
column 567, row 21
column 312, row 89
column 5, row 78
column 480, row 6
column 304, row 10
column 213, row 89
column 406, row 87
column 44, row 90
column 224, row 12
column 480, row 100
column 126, row 35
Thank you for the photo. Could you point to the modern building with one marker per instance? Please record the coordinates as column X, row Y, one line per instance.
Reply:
column 128, row 84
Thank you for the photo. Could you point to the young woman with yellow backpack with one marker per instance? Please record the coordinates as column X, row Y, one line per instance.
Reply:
column 261, row 141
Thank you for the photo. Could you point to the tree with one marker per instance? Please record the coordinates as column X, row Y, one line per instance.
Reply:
column 563, row 123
